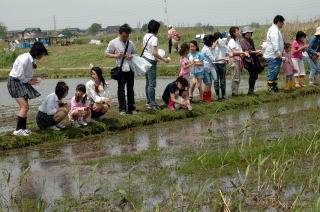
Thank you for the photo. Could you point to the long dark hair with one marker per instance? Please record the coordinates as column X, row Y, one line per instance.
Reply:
column 100, row 75
column 38, row 49
column 300, row 35
column 82, row 88
column 61, row 89
column 183, row 49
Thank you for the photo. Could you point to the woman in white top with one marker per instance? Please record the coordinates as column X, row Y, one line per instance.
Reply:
column 52, row 110
column 150, row 53
column 235, row 59
column 97, row 91
column 20, row 84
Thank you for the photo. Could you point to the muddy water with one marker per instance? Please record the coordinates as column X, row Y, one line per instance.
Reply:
column 8, row 106
column 54, row 170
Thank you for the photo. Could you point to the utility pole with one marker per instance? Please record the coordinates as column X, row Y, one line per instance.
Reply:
column 54, row 23
column 166, row 12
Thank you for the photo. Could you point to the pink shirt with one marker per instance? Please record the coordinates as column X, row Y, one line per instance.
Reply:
column 287, row 64
column 184, row 71
column 77, row 105
column 296, row 45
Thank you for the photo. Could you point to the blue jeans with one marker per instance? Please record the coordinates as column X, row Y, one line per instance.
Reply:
column 220, row 83
column 151, row 83
column 274, row 65
column 314, row 69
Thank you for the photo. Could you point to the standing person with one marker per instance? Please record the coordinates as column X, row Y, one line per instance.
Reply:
column 197, row 69
column 313, row 51
column 298, row 46
column 220, row 65
column 150, row 53
column 210, row 74
column 169, row 38
column 273, row 52
column 116, row 49
column 251, row 63
column 80, row 113
column 288, row 67
column 185, row 63
column 235, row 59
column 98, row 94
column 20, row 84
column 52, row 110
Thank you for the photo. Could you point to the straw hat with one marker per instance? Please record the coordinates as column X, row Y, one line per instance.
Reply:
column 317, row 31
column 246, row 29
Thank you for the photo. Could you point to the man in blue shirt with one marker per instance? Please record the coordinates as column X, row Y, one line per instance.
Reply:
column 314, row 53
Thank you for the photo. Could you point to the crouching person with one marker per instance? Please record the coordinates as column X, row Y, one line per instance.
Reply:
column 80, row 112
column 52, row 110
column 176, row 94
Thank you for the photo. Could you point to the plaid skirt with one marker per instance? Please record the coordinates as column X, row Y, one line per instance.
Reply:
column 17, row 89
column 44, row 120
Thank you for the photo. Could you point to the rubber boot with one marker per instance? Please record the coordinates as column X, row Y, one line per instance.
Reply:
column 270, row 86
column 210, row 98
column 206, row 96
column 275, row 86
column 287, row 86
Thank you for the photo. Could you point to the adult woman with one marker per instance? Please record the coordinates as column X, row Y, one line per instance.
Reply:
column 251, row 63
column 20, row 84
column 97, row 91
column 151, row 44
column 235, row 60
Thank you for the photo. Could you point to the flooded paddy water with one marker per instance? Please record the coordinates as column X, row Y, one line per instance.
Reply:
column 140, row 168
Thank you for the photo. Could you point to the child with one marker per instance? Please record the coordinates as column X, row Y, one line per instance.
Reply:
column 210, row 74
column 197, row 69
column 298, row 46
column 288, row 67
column 80, row 108
column 20, row 84
column 176, row 94
column 52, row 110
column 235, row 60
column 185, row 63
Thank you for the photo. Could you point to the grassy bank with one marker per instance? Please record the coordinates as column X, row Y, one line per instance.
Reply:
column 117, row 122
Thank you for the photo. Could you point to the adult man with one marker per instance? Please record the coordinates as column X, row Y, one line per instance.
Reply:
column 273, row 52
column 314, row 54
column 116, row 49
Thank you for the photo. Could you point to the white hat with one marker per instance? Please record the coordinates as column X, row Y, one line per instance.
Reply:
column 317, row 31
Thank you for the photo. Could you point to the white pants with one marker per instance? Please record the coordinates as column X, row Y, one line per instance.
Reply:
column 299, row 66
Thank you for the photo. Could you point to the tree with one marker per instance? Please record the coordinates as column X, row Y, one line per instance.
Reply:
column 144, row 28
column 3, row 30
column 198, row 25
column 255, row 25
column 94, row 28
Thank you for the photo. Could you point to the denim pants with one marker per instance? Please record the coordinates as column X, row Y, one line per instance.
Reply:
column 126, row 78
column 151, row 83
column 220, row 82
column 315, row 67
column 274, row 65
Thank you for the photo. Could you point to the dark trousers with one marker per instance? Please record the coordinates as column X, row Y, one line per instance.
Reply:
column 220, row 83
column 253, row 76
column 126, row 78
column 170, row 45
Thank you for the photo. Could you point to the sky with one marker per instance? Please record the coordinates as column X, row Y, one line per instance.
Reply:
column 19, row 14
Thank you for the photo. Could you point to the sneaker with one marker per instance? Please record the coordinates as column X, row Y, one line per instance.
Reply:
column 122, row 113
column 28, row 131
column 298, row 85
column 61, row 126
column 20, row 132
column 54, row 127
column 134, row 112
column 76, row 124
column 155, row 107
column 83, row 123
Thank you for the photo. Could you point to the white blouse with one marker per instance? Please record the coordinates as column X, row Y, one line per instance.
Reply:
column 93, row 95
column 23, row 68
column 50, row 105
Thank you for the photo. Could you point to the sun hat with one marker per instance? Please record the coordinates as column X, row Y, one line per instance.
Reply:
column 317, row 31
column 246, row 29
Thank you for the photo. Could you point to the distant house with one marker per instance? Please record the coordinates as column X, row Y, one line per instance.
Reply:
column 109, row 29
column 74, row 31
column 15, row 35
column 32, row 30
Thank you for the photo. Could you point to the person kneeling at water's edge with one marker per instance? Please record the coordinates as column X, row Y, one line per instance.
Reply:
column 97, row 91
column 20, row 84
column 176, row 94
column 52, row 110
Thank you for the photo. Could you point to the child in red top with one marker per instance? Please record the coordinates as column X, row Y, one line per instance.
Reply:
column 288, row 67
column 80, row 113
column 298, row 46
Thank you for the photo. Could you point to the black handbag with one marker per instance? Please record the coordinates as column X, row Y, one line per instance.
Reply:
column 115, row 72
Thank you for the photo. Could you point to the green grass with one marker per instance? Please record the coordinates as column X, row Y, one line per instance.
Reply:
column 117, row 122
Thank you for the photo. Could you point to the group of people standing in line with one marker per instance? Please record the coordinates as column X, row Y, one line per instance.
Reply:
column 208, row 66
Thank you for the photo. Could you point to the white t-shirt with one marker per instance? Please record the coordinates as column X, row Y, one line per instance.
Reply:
column 152, row 42
column 235, row 45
